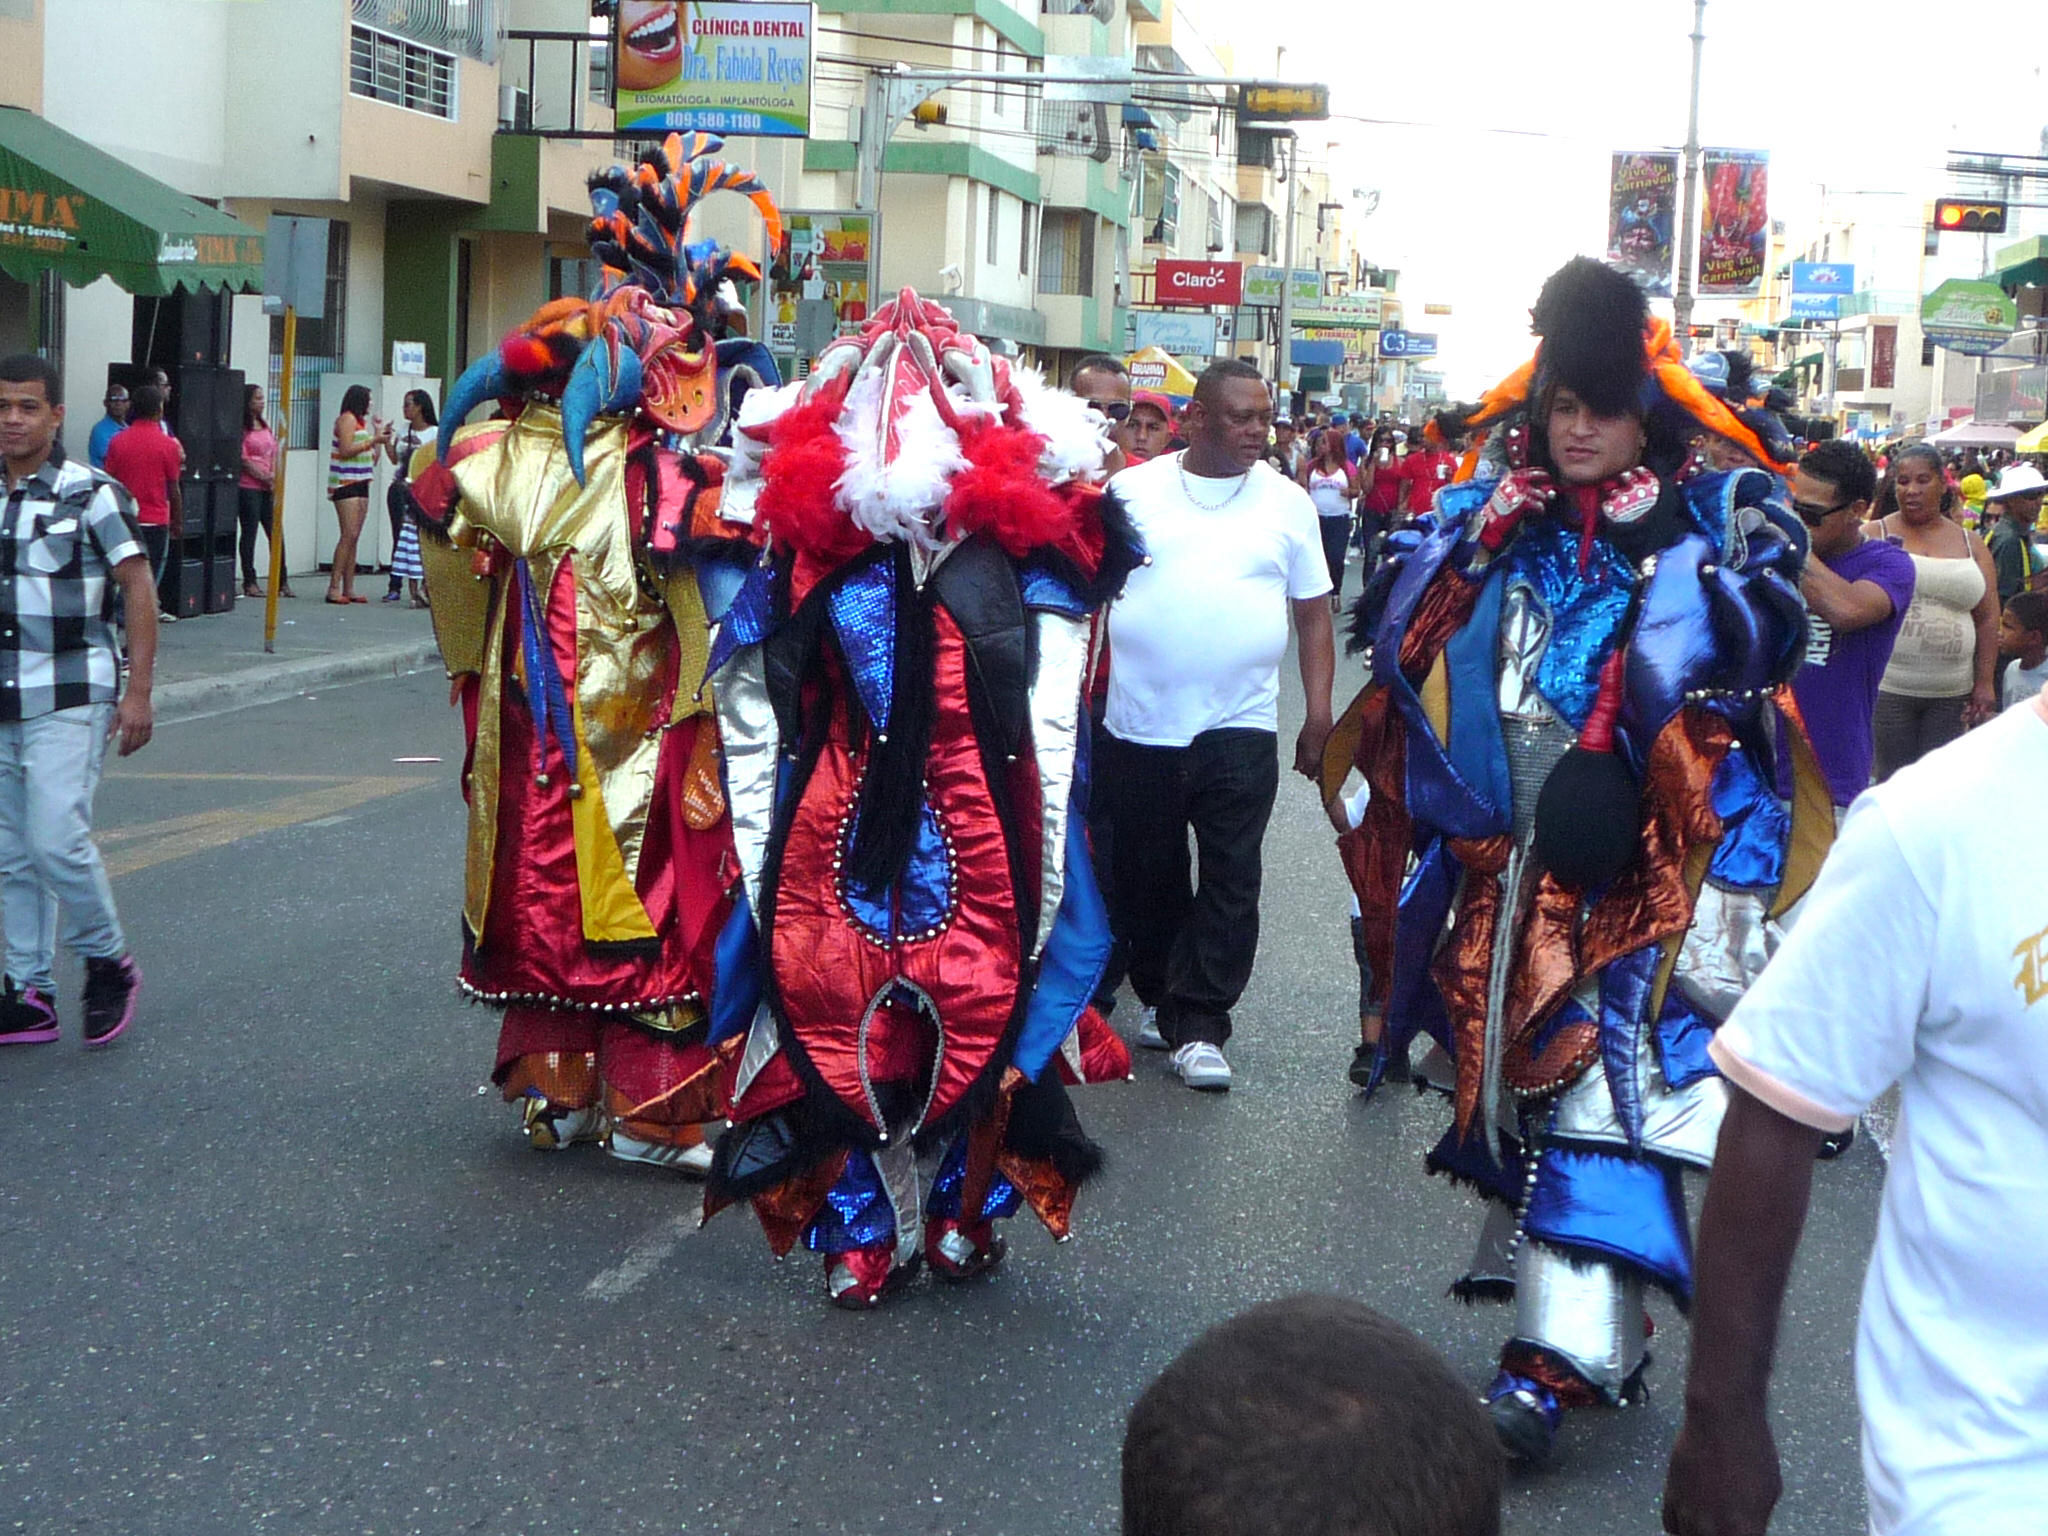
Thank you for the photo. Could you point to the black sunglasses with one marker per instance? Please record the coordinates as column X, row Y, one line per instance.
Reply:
column 1115, row 410
column 1812, row 513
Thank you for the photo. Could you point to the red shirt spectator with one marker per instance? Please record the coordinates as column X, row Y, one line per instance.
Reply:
column 142, row 458
column 1425, row 472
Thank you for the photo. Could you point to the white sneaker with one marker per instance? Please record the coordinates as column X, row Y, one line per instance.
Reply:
column 1201, row 1065
column 550, row 1128
column 1148, row 1030
column 691, row 1162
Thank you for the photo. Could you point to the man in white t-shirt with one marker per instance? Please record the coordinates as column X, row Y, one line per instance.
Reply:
column 1192, row 739
column 1898, row 972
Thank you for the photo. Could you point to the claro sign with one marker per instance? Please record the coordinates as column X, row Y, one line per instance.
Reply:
column 1199, row 282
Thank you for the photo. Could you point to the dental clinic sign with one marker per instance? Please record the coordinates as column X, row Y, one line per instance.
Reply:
column 740, row 68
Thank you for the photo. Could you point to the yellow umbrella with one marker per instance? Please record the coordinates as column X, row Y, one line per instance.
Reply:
column 2035, row 441
column 1155, row 368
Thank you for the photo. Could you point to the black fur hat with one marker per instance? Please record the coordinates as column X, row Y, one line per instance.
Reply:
column 1591, row 319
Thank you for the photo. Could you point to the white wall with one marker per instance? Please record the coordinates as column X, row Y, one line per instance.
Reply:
column 161, row 65
column 99, row 328
column 287, row 72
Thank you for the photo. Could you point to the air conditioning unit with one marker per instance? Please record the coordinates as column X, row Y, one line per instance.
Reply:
column 515, row 109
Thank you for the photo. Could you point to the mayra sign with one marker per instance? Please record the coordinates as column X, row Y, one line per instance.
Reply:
column 1199, row 282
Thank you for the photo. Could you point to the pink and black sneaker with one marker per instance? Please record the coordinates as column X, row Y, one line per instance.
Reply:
column 27, row 1016
column 110, row 988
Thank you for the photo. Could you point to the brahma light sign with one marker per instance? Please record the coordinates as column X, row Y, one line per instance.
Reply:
column 741, row 68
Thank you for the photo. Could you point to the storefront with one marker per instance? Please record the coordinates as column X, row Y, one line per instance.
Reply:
column 71, row 214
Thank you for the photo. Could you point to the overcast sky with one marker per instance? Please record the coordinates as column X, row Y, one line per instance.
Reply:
column 1860, row 97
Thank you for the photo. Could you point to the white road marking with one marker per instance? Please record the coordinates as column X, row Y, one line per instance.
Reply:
column 643, row 1258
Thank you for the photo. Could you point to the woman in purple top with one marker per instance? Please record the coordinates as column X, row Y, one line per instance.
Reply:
column 1857, row 590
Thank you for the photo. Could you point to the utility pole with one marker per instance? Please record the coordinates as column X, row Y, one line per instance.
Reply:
column 1688, row 235
column 1286, row 353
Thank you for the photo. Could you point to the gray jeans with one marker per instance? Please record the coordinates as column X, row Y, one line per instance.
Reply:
column 1904, row 729
column 49, row 768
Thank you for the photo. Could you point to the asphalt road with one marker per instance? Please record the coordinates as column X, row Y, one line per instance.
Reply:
column 279, row 1263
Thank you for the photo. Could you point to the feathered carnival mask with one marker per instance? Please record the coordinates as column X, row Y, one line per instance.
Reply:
column 649, row 340
column 913, row 433
column 1598, row 339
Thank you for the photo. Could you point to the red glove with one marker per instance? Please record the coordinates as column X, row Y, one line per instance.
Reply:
column 1520, row 492
column 1630, row 498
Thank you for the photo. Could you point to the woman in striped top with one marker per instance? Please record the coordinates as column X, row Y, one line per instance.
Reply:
column 350, row 463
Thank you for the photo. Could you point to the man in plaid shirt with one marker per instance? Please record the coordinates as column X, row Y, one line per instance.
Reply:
column 68, row 538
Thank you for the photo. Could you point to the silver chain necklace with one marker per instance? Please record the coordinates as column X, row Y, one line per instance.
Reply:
column 1188, row 489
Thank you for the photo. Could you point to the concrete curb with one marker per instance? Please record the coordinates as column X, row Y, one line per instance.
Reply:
column 267, row 683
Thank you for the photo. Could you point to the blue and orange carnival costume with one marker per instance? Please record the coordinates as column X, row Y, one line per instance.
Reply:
column 899, row 692
column 1572, row 857
column 573, row 549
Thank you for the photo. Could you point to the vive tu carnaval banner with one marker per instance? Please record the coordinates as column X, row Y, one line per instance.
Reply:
column 1642, row 217
column 1735, row 220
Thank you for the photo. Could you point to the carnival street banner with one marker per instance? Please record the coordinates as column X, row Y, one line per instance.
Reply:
column 731, row 67
column 1735, row 220
column 1642, row 215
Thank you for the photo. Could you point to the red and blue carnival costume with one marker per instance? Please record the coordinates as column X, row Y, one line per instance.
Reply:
column 899, row 688
column 571, row 547
column 1572, row 856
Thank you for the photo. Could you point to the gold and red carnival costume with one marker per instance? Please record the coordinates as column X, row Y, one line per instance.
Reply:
column 569, row 553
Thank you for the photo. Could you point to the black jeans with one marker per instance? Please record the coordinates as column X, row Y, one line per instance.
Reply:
column 252, row 511
column 1190, row 945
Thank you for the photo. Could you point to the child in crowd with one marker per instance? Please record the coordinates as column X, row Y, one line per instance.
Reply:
column 2023, row 636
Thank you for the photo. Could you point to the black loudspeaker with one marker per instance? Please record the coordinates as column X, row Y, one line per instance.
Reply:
column 192, row 415
column 224, row 503
column 182, row 328
column 183, row 589
column 220, row 580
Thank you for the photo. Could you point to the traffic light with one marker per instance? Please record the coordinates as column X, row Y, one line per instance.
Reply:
column 927, row 114
column 1972, row 218
column 1283, row 103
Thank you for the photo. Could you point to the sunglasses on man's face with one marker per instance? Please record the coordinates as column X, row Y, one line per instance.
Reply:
column 1114, row 410
column 1813, row 513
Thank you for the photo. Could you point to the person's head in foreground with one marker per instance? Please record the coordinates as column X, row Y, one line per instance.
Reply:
column 1312, row 1416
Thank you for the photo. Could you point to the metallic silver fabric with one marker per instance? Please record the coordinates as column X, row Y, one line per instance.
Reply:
column 1592, row 1314
column 1055, row 733
column 1493, row 1255
column 897, row 1164
column 1726, row 949
column 763, row 1041
column 1682, row 1125
column 1524, row 635
column 1491, row 1107
column 751, row 743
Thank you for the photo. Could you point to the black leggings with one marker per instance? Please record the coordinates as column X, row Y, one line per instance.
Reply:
column 252, row 511
column 1336, row 533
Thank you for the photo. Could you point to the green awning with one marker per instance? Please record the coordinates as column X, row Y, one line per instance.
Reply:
column 2022, row 264
column 80, row 212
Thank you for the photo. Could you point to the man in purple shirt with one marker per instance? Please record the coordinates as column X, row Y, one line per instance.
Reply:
column 1856, row 591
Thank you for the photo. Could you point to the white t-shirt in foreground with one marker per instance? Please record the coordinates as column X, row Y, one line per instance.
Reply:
column 1922, row 958
column 1196, row 639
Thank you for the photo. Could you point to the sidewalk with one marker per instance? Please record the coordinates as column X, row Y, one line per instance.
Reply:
column 218, row 662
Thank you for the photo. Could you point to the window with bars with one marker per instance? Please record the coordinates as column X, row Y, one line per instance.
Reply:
column 402, row 74
column 1161, row 205
column 1066, row 253
column 319, row 349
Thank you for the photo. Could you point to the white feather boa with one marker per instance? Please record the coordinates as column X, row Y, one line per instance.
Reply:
column 899, row 500
column 1076, row 436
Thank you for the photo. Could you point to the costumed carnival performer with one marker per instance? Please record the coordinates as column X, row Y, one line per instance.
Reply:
column 1572, row 856
column 573, row 547
column 900, row 694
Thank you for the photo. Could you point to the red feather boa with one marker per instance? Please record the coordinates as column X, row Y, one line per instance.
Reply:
column 800, row 490
column 1000, row 494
